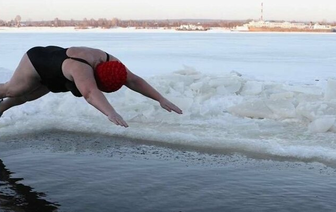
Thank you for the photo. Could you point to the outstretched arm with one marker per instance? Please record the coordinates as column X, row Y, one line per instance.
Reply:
column 139, row 85
column 86, row 84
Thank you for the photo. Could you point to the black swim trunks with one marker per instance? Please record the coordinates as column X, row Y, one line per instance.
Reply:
column 48, row 61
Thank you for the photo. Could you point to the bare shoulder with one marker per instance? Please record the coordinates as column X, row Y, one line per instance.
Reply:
column 73, row 69
column 99, row 53
column 113, row 58
column 84, row 79
column 83, row 75
column 79, row 50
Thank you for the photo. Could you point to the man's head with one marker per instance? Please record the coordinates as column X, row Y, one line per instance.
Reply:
column 110, row 76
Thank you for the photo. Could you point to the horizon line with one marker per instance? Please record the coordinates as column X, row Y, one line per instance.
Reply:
column 172, row 19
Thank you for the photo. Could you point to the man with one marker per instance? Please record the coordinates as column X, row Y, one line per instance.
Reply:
column 84, row 71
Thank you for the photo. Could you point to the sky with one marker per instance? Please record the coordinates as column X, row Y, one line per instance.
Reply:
column 289, row 10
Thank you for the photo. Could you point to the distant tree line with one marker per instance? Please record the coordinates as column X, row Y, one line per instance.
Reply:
column 115, row 22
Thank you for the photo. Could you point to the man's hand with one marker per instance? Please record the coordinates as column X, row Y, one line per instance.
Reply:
column 117, row 119
column 165, row 104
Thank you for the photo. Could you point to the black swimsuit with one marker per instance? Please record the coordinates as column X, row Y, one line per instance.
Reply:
column 48, row 61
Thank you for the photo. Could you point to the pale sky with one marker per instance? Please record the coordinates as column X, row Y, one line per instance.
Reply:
column 300, row 10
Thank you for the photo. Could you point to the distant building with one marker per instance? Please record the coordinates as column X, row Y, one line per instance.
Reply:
column 191, row 27
column 318, row 26
column 283, row 26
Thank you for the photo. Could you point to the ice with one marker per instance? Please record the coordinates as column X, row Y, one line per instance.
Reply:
column 252, row 88
column 252, row 109
column 313, row 110
column 228, row 111
column 262, row 109
column 282, row 96
column 330, row 93
column 281, row 108
column 208, row 96
column 322, row 125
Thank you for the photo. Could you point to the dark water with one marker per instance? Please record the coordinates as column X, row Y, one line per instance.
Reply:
column 62, row 171
column 15, row 196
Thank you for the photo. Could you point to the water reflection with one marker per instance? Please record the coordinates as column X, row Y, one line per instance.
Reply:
column 17, row 197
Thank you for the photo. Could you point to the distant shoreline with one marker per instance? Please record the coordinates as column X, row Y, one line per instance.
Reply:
column 134, row 30
column 88, row 30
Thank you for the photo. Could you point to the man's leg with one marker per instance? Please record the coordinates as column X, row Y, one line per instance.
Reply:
column 13, row 101
column 24, row 80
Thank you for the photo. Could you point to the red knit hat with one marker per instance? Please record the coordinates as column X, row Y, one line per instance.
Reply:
column 110, row 76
